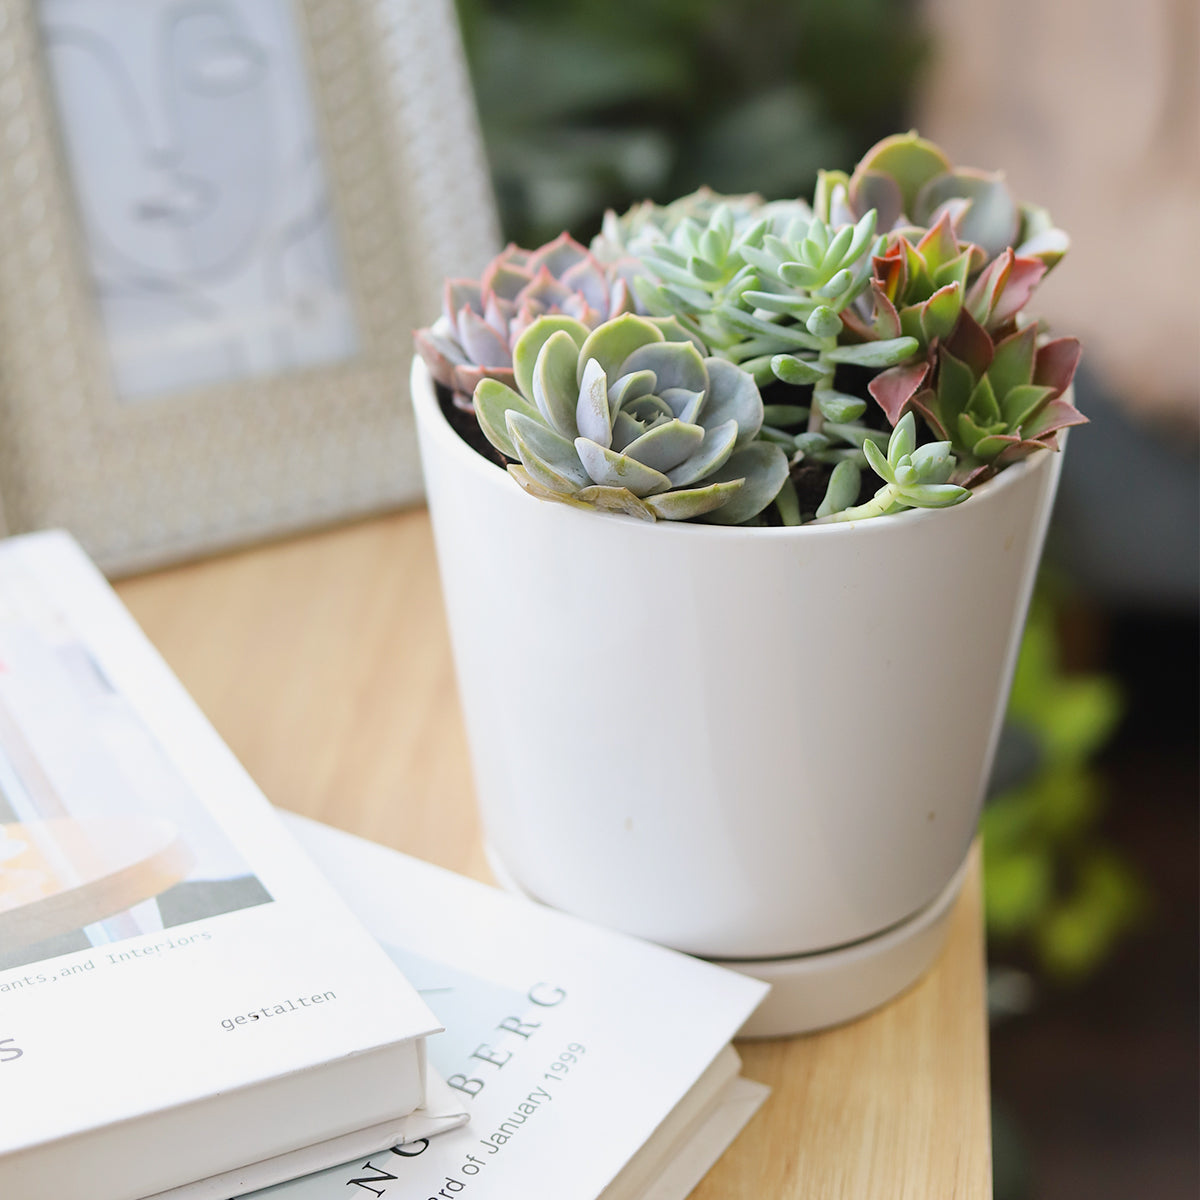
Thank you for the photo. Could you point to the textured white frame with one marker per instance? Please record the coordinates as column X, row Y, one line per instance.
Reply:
column 198, row 471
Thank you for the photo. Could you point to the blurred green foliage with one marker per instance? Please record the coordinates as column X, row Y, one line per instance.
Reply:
column 590, row 104
column 1050, row 880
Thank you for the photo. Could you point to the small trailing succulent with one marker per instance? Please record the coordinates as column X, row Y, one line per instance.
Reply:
column 729, row 360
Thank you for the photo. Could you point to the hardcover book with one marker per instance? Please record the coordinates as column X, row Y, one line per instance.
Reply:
column 593, row 1065
column 181, row 993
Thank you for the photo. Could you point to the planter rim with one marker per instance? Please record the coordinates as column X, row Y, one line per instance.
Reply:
column 424, row 396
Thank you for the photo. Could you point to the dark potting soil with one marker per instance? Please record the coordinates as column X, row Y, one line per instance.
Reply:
column 462, row 420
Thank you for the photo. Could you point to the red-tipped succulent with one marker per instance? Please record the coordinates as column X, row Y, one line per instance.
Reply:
column 956, row 239
column 994, row 401
column 961, row 260
column 482, row 319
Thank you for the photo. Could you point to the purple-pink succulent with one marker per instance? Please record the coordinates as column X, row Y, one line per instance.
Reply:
column 482, row 319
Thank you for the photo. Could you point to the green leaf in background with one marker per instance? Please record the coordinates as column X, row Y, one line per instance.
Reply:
column 1074, row 715
column 1017, row 888
column 1049, row 879
column 1108, row 899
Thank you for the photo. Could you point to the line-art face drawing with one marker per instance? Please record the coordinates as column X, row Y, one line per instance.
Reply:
column 188, row 131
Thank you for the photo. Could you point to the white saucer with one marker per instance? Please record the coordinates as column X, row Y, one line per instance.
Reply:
column 814, row 991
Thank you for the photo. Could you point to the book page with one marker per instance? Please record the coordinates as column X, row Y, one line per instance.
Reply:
column 570, row 1044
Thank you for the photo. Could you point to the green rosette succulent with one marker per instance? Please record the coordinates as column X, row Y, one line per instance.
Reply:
column 632, row 417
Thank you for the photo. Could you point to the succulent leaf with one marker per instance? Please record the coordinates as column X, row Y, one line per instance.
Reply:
column 998, row 402
column 934, row 495
column 878, row 462
column 764, row 468
column 553, row 375
column 1055, row 364
column 906, row 159
column 933, row 462
column 837, row 406
column 712, row 453
column 612, row 499
column 843, row 488
column 876, row 354
column 798, row 371
column 733, row 396
column 823, row 322
column 630, row 387
column 493, row 402
column 592, row 416
column 675, row 365
column 1012, row 363
column 987, row 217
column 783, row 414
column 939, row 314
column 894, row 388
column 957, row 226
column 529, row 346
column 903, row 440
column 548, row 458
column 613, row 342
column 667, row 446
column 687, row 503
column 611, row 469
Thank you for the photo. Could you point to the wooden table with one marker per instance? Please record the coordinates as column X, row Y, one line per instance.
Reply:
column 324, row 663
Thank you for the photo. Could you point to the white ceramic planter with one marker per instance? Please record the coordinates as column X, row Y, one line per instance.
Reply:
column 745, row 744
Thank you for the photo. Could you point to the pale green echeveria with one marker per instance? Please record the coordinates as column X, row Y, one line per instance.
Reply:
column 633, row 232
column 633, row 418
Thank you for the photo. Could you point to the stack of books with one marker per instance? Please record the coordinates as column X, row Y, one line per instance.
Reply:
column 202, row 998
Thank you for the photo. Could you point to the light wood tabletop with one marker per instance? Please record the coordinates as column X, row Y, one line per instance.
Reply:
column 325, row 665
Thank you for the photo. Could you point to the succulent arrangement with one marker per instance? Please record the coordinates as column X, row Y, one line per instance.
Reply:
column 724, row 359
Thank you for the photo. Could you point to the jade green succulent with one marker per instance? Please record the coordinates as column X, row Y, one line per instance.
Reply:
column 913, row 477
column 780, row 351
column 624, row 240
column 631, row 418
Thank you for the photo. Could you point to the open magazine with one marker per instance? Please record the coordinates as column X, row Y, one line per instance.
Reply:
column 592, row 1065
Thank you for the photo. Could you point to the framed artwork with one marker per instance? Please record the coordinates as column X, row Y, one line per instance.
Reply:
column 220, row 221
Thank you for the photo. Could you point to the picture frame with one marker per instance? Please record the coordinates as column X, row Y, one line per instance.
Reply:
column 220, row 223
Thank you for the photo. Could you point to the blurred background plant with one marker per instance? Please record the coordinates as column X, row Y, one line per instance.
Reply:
column 1054, row 887
column 599, row 103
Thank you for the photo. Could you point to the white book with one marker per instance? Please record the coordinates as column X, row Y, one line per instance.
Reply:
column 181, row 993
column 593, row 1065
